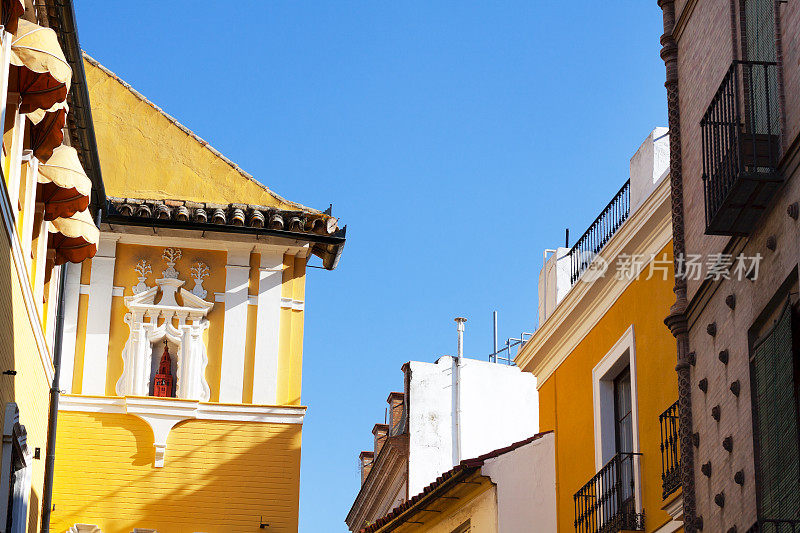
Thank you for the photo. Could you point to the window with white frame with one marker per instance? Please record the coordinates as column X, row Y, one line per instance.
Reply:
column 616, row 436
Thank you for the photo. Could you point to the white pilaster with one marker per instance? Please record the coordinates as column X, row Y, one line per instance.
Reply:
column 5, row 64
column 73, row 293
column 234, row 338
column 265, row 371
column 41, row 257
column 28, row 203
column 15, row 155
column 98, row 321
column 52, row 302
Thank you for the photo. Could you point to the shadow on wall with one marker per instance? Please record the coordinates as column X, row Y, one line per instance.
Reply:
column 218, row 477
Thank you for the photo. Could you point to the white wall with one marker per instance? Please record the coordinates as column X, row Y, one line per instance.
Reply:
column 526, row 486
column 554, row 282
column 498, row 406
column 649, row 165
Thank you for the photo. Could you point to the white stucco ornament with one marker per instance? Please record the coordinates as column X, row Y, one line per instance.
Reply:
column 143, row 269
column 180, row 324
column 151, row 324
column 199, row 272
column 171, row 256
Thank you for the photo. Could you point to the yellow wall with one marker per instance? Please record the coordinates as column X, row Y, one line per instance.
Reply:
column 479, row 506
column 290, row 360
column 218, row 477
column 30, row 387
column 565, row 398
column 145, row 155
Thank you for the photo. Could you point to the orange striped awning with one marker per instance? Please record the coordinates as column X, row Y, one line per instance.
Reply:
column 63, row 185
column 40, row 72
column 74, row 238
column 47, row 130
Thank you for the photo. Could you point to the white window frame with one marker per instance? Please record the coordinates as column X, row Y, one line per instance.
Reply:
column 622, row 354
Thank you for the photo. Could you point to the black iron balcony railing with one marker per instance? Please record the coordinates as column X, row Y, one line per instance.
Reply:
column 670, row 451
column 607, row 503
column 599, row 232
column 773, row 525
column 741, row 146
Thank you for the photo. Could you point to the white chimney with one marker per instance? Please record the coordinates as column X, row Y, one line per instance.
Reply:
column 554, row 282
column 460, row 326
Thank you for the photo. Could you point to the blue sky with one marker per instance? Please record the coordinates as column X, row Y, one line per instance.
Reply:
column 456, row 140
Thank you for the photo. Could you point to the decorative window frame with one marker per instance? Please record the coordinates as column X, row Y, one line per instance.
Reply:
column 622, row 354
column 15, row 436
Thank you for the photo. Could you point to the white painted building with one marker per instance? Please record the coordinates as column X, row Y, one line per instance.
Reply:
column 459, row 408
column 451, row 410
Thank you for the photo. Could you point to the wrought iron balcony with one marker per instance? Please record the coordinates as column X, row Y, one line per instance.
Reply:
column 599, row 232
column 772, row 525
column 607, row 503
column 670, row 451
column 741, row 146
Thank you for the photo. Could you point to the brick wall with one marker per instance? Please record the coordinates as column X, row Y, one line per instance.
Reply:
column 704, row 56
column 705, row 52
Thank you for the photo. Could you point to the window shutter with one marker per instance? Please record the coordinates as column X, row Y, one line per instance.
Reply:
column 775, row 409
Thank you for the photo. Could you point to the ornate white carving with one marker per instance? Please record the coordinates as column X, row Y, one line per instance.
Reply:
column 143, row 320
column 199, row 272
column 143, row 269
column 170, row 255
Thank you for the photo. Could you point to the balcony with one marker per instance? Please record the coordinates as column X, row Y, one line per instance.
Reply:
column 599, row 232
column 741, row 146
column 607, row 503
column 670, row 451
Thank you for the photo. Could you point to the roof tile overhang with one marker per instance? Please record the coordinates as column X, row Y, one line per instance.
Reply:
column 319, row 229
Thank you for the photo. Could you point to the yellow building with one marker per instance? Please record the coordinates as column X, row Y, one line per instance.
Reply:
column 183, row 337
column 604, row 361
column 47, row 220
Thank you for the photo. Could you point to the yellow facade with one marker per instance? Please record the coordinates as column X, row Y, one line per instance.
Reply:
column 566, row 397
column 215, row 479
column 601, row 327
column 29, row 388
column 29, row 252
column 224, row 461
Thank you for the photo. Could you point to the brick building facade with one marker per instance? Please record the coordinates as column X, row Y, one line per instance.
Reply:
column 733, row 80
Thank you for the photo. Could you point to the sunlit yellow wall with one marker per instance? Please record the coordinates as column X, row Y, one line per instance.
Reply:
column 565, row 399
column 479, row 506
column 30, row 387
column 134, row 139
column 218, row 477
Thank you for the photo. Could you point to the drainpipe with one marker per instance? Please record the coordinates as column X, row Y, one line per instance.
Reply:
column 50, row 457
column 456, row 377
